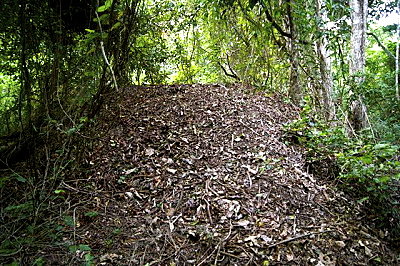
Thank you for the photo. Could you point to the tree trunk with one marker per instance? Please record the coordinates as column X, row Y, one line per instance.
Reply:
column 116, row 51
column 326, row 86
column 357, row 116
column 295, row 91
column 26, row 89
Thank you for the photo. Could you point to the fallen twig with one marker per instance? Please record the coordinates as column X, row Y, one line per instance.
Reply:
column 298, row 237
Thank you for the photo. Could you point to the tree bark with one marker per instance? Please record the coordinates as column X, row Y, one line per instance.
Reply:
column 26, row 89
column 295, row 91
column 357, row 116
column 358, row 36
column 326, row 89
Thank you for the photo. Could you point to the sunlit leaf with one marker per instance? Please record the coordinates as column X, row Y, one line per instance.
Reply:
column 106, row 6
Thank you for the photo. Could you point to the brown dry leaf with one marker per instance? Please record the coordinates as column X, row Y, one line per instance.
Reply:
column 130, row 171
column 340, row 244
column 149, row 151
column 170, row 212
column 172, row 171
column 236, row 169
column 243, row 223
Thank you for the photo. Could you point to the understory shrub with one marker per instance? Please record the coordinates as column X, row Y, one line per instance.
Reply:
column 368, row 169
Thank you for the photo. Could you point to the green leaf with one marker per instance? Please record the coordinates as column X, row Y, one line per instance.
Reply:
column 8, row 252
column 23, row 206
column 116, row 231
column 71, row 131
column 362, row 200
column 265, row 263
column 366, row 159
column 84, row 247
column 92, row 50
column 59, row 191
column 384, row 179
column 92, row 214
column 69, row 221
column 101, row 9
column 81, row 247
column 106, row 6
column 3, row 181
column 104, row 35
column 73, row 248
column 39, row 261
column 116, row 25
column 90, row 31
column 89, row 259
column 381, row 146
column 103, row 19
column 20, row 178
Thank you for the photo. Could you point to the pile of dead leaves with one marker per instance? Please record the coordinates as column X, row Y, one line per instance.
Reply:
column 199, row 175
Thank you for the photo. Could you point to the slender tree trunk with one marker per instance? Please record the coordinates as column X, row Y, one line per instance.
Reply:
column 326, row 89
column 358, row 112
column 122, row 54
column 295, row 91
column 26, row 89
column 116, row 51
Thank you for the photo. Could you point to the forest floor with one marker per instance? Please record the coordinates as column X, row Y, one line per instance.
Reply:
column 201, row 175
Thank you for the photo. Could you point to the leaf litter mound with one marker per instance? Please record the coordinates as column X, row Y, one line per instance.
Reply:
column 200, row 175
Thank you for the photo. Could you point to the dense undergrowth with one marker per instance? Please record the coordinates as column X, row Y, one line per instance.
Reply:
column 35, row 208
column 363, row 166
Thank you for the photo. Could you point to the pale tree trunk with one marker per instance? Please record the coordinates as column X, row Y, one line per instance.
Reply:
column 357, row 117
column 326, row 86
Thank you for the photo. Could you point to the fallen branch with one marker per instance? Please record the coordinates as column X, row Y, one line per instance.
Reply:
column 298, row 237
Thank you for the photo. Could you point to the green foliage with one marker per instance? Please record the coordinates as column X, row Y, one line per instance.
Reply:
column 82, row 248
column 69, row 221
column 18, row 209
column 106, row 6
column 39, row 262
column 371, row 171
column 9, row 86
column 379, row 88
column 373, row 166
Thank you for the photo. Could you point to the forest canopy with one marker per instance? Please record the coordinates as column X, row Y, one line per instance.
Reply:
column 76, row 51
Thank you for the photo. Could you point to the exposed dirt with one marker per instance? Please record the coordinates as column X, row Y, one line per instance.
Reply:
column 199, row 175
